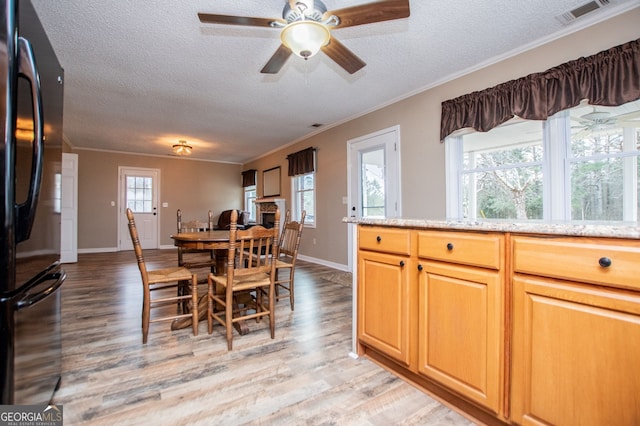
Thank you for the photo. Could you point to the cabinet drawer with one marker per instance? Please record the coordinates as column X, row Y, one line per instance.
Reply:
column 484, row 250
column 583, row 260
column 387, row 240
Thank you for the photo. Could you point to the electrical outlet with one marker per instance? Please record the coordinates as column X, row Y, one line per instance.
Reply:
column 314, row 241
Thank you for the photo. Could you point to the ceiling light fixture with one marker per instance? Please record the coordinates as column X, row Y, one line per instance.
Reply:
column 305, row 38
column 182, row 148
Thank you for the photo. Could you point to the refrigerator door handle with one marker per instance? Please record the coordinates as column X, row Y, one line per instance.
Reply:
column 26, row 212
column 29, row 299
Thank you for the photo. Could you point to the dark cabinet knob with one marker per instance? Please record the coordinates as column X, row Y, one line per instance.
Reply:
column 402, row 263
column 378, row 238
column 420, row 268
column 605, row 262
column 449, row 246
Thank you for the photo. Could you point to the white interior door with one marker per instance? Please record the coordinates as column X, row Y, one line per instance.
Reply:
column 373, row 175
column 69, row 209
column 139, row 192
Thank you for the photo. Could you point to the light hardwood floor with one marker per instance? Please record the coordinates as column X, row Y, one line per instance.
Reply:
column 303, row 377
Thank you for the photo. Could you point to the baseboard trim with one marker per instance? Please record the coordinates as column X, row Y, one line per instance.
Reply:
column 98, row 250
column 339, row 266
column 334, row 265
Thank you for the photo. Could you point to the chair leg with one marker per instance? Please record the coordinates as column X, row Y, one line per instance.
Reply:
column 228, row 312
column 182, row 288
column 146, row 308
column 259, row 302
column 291, row 288
column 194, row 304
column 272, row 305
column 210, row 305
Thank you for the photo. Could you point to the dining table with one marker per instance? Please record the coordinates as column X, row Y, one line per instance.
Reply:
column 218, row 241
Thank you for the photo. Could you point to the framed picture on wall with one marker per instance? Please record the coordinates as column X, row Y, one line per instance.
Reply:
column 271, row 182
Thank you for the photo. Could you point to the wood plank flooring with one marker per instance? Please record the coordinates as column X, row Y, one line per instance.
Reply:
column 302, row 377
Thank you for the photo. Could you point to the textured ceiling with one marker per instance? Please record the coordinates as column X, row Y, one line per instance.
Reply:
column 140, row 75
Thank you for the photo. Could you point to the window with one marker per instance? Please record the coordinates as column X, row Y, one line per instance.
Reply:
column 250, row 201
column 373, row 183
column 57, row 193
column 580, row 165
column 140, row 194
column 304, row 198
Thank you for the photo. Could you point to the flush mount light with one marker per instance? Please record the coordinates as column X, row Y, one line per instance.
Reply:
column 182, row 148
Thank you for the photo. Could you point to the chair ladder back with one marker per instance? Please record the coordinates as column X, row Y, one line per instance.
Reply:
column 256, row 239
column 291, row 236
column 287, row 219
column 179, row 220
column 193, row 225
column 137, row 248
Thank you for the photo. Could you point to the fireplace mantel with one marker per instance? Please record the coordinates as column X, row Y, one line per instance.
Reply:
column 269, row 200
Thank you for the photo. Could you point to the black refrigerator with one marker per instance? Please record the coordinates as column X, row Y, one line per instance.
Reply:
column 31, row 155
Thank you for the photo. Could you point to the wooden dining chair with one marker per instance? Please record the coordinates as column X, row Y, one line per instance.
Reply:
column 246, row 276
column 163, row 281
column 200, row 258
column 287, row 255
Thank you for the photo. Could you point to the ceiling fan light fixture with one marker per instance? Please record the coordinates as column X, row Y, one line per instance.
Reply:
column 305, row 38
column 182, row 148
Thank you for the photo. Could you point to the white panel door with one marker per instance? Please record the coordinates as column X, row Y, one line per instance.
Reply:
column 139, row 192
column 69, row 209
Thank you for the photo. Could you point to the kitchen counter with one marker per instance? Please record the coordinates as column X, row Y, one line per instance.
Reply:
column 631, row 231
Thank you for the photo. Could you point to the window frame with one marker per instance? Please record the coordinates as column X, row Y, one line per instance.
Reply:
column 250, row 201
column 297, row 204
column 556, row 167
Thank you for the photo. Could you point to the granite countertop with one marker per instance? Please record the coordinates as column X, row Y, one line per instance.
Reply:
column 582, row 230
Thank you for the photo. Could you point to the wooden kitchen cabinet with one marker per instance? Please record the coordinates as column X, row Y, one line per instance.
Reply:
column 511, row 328
column 460, row 320
column 384, row 292
column 576, row 331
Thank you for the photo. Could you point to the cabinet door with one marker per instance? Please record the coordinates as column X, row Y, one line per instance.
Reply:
column 460, row 330
column 383, row 304
column 576, row 354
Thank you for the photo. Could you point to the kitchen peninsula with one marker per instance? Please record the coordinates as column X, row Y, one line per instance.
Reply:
column 510, row 323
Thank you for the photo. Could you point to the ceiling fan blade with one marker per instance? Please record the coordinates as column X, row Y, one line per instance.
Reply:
column 628, row 116
column 629, row 123
column 277, row 60
column 377, row 11
column 582, row 134
column 209, row 18
column 343, row 56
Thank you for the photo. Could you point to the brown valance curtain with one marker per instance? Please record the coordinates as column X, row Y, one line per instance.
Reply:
column 301, row 162
column 249, row 177
column 608, row 78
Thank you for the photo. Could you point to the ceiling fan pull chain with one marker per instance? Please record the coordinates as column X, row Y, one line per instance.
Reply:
column 306, row 72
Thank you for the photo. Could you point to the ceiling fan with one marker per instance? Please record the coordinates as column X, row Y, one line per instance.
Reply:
column 596, row 121
column 306, row 28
